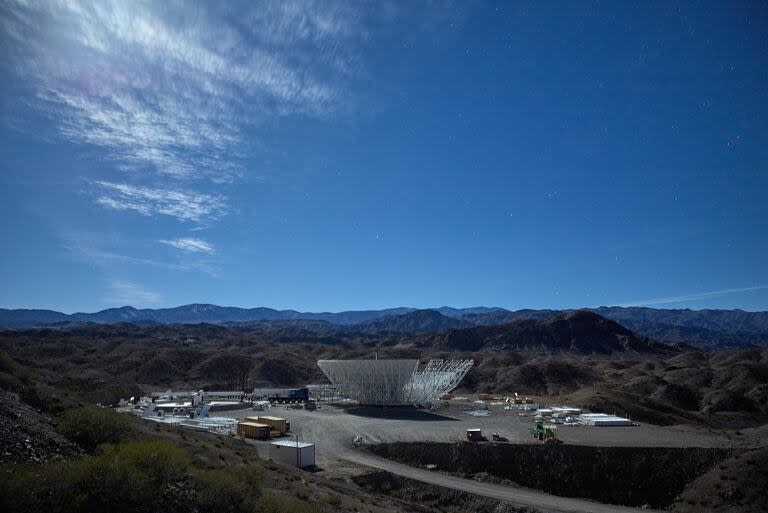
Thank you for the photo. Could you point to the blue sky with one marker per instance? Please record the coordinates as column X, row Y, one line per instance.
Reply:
column 331, row 156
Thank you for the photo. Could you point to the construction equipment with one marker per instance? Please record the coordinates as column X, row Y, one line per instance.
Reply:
column 545, row 433
column 497, row 437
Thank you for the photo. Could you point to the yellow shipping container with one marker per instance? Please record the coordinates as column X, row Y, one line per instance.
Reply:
column 280, row 425
column 253, row 430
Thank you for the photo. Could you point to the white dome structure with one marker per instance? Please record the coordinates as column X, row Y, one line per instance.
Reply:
column 394, row 382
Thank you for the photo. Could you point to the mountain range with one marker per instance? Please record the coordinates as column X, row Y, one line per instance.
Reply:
column 702, row 328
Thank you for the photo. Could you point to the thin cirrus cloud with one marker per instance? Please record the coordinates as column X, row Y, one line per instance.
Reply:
column 190, row 245
column 183, row 205
column 110, row 255
column 693, row 297
column 128, row 293
column 171, row 91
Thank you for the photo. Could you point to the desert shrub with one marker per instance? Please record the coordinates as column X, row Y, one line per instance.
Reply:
column 122, row 478
column 7, row 364
column 228, row 489
column 10, row 366
column 90, row 426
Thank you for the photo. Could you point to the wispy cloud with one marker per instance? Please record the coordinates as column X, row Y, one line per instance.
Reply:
column 82, row 248
column 693, row 297
column 171, row 86
column 174, row 93
column 122, row 293
column 183, row 205
column 190, row 245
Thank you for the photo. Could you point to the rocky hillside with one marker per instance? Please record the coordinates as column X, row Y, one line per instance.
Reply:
column 103, row 363
column 28, row 436
column 580, row 332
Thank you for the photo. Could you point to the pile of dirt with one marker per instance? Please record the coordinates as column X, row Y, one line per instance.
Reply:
column 630, row 476
column 28, row 436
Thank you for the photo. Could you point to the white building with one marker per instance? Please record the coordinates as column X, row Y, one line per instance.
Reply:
column 567, row 410
column 604, row 420
column 293, row 453
column 394, row 382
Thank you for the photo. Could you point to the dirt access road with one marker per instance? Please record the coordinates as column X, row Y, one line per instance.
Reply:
column 514, row 495
column 333, row 430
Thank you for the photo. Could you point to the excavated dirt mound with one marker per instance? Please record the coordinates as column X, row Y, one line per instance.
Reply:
column 631, row 476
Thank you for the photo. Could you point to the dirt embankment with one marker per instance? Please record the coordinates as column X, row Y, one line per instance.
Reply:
column 737, row 484
column 630, row 476
column 421, row 497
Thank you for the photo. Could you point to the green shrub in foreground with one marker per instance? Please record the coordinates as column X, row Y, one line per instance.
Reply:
column 223, row 490
column 90, row 426
column 123, row 478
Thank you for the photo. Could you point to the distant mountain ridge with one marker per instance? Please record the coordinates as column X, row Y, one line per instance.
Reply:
column 188, row 314
column 417, row 321
column 702, row 328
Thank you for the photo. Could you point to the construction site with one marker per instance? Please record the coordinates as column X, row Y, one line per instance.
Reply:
column 403, row 418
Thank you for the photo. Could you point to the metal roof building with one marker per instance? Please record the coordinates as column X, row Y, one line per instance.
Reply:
column 603, row 420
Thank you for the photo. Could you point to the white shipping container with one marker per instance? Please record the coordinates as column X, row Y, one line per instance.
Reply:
column 293, row 453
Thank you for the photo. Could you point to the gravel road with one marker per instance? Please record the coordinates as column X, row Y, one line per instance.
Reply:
column 514, row 495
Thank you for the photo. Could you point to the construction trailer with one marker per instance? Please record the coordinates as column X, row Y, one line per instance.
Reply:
column 253, row 430
column 474, row 435
column 603, row 420
column 282, row 395
column 224, row 395
column 292, row 452
column 279, row 425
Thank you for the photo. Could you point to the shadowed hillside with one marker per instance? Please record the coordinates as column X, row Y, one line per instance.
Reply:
column 580, row 331
column 579, row 357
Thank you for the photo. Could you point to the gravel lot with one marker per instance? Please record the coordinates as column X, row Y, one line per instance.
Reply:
column 332, row 429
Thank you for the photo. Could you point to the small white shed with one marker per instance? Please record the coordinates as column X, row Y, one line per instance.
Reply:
column 291, row 452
